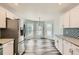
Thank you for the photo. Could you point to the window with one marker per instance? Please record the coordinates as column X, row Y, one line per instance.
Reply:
column 39, row 30
column 29, row 29
column 34, row 29
column 49, row 30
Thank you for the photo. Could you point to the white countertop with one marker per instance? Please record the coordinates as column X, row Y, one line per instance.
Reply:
column 72, row 40
column 6, row 40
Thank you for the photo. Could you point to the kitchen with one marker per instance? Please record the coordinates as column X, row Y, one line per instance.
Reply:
column 40, row 28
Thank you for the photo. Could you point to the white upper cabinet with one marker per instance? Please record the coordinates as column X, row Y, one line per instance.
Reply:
column 66, row 20
column 74, row 17
column 71, row 18
column 2, row 18
column 11, row 15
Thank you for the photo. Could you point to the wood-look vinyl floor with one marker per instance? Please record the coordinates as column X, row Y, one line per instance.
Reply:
column 40, row 47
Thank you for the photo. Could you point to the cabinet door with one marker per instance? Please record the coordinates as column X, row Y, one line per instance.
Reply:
column 74, row 17
column 2, row 18
column 60, row 46
column 67, row 48
column 66, row 19
column 75, row 50
column 8, row 48
column 56, row 42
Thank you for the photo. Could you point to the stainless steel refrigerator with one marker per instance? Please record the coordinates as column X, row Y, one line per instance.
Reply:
column 12, row 31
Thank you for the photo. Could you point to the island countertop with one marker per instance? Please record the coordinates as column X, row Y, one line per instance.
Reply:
column 5, row 40
column 72, row 40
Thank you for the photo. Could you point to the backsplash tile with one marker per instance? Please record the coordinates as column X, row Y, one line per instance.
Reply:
column 73, row 32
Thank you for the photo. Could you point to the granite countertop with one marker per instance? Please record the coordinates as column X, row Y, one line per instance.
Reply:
column 72, row 40
column 5, row 40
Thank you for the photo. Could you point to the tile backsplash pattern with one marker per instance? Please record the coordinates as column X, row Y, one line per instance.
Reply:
column 73, row 32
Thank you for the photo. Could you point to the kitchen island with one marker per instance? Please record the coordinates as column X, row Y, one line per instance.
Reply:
column 6, row 46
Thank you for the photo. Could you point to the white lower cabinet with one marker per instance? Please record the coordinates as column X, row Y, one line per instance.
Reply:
column 8, row 48
column 75, row 50
column 60, row 46
column 70, row 48
column 56, row 42
column 67, row 48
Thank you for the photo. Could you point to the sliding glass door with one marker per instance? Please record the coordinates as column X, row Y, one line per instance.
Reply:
column 49, row 30
column 39, row 30
column 29, row 27
column 36, row 29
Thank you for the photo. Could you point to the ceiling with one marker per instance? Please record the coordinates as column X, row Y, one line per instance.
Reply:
column 44, row 10
column 53, row 7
